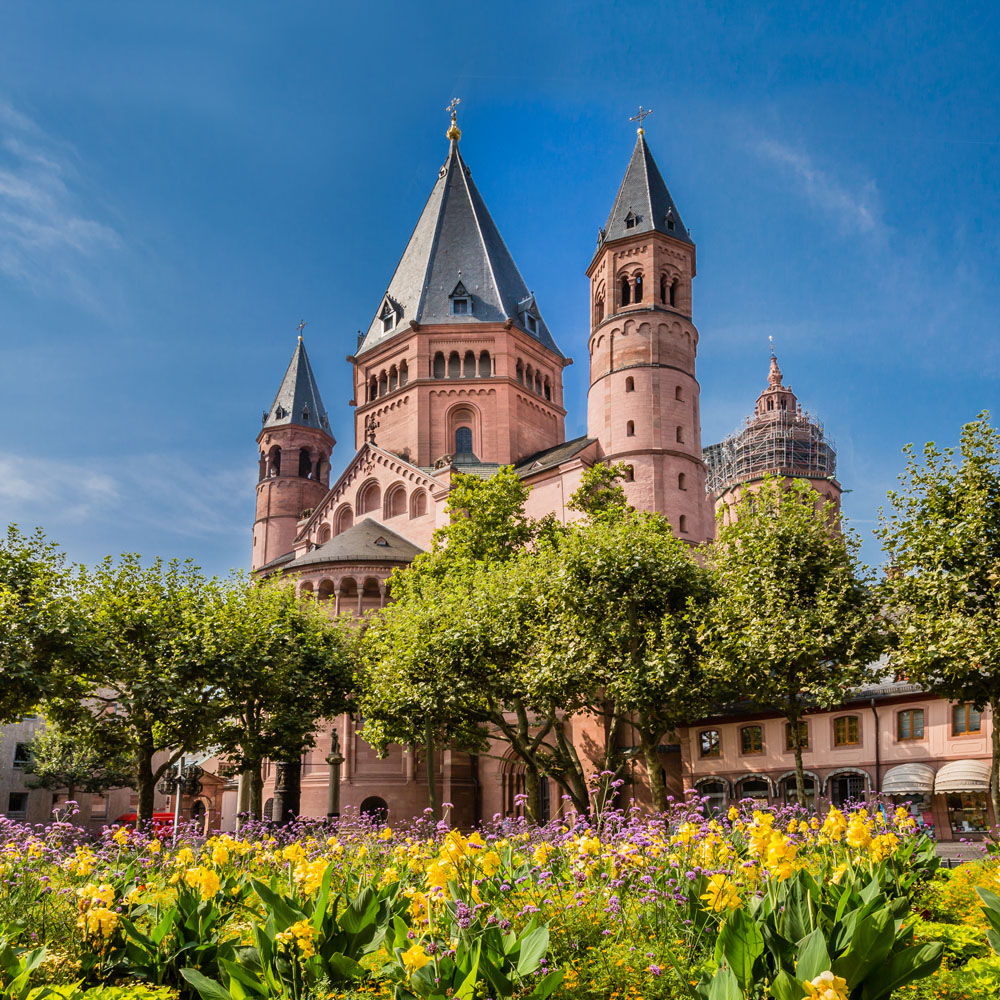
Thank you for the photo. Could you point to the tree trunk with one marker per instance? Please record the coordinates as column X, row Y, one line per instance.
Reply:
column 255, row 791
column 800, row 778
column 995, row 763
column 71, row 792
column 654, row 771
column 146, row 786
column 532, row 794
column 430, row 763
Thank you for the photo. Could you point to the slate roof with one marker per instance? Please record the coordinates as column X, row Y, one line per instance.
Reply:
column 298, row 400
column 360, row 543
column 456, row 243
column 552, row 456
column 644, row 195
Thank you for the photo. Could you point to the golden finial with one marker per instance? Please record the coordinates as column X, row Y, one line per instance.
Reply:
column 643, row 112
column 454, row 133
column 302, row 325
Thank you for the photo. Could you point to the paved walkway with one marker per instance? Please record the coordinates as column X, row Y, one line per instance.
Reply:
column 953, row 852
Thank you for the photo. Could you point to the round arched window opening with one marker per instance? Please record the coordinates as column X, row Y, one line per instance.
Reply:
column 375, row 809
column 463, row 440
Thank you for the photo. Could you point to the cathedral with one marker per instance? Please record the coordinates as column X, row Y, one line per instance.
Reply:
column 458, row 372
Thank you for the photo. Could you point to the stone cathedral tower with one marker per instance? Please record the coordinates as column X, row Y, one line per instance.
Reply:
column 643, row 399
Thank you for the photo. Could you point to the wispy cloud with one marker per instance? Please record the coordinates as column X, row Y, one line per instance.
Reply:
column 51, row 237
column 853, row 208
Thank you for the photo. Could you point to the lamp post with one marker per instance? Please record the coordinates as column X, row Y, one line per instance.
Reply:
column 335, row 759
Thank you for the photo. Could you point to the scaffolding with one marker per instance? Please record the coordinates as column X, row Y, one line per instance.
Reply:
column 783, row 443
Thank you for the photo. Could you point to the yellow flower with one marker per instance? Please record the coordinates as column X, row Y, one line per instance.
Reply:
column 99, row 921
column 293, row 852
column 826, row 986
column 220, row 855
column 541, row 854
column 414, row 958
column 154, row 847
column 721, row 894
column 858, row 832
column 385, row 833
column 184, row 857
column 438, row 874
column 686, row 834
column 299, row 935
column 834, row 826
column 83, row 862
column 205, row 880
column 120, row 836
column 490, row 862
column 309, row 874
column 733, row 814
column 389, row 875
column 92, row 894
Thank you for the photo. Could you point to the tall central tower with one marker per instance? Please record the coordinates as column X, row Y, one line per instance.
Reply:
column 643, row 401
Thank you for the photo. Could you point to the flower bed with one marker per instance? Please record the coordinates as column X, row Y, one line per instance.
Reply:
column 753, row 904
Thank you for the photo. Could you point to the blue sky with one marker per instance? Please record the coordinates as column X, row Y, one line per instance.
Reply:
column 180, row 184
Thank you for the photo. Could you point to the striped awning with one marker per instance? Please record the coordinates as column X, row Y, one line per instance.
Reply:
column 907, row 779
column 963, row 776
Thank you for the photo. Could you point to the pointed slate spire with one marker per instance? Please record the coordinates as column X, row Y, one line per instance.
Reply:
column 643, row 204
column 455, row 245
column 298, row 400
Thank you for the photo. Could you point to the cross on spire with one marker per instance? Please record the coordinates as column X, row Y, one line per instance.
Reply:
column 643, row 113
column 302, row 325
column 454, row 133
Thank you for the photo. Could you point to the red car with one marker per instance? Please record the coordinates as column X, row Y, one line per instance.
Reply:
column 162, row 822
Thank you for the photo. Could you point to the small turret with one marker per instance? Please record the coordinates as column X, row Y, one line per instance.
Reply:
column 295, row 446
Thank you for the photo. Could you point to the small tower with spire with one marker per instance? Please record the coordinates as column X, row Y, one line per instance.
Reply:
column 295, row 445
column 643, row 399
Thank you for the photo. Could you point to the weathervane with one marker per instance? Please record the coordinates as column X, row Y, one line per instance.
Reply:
column 454, row 133
column 643, row 113
column 302, row 325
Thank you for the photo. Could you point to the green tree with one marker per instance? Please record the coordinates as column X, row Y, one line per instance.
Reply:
column 37, row 624
column 143, row 682
column 795, row 624
column 67, row 758
column 279, row 666
column 625, row 599
column 942, row 537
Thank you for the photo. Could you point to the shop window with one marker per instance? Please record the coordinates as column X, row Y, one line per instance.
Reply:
column 789, row 792
column 965, row 719
column 847, row 788
column 714, row 793
column 967, row 812
column 752, row 739
column 910, row 724
column 845, row 731
column 803, row 736
column 754, row 788
column 710, row 743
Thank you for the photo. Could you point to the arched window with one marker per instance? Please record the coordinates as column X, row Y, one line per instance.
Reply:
column 404, row 372
column 757, row 789
column 519, row 370
column 463, row 440
column 770, row 404
column 675, row 285
column 630, row 429
column 680, row 435
column 678, row 395
column 663, row 289
column 469, row 368
column 439, row 365
column 630, row 384
column 418, row 504
column 306, row 590
column 529, row 377
column 325, row 591
column 372, row 388
column 485, row 366
column 393, row 378
column 323, row 535
column 538, row 382
column 344, row 519
column 714, row 794
column 454, row 365
column 789, row 792
column 383, row 383
column 369, row 498
column 305, row 464
column 629, row 473
column 262, row 466
column 599, row 312
column 547, row 388
column 274, row 461
column 683, row 524
column 681, row 481
column 638, row 288
column 626, row 292
column 395, row 502
column 375, row 810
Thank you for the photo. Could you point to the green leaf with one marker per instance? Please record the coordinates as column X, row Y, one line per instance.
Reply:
column 813, row 957
column 534, row 944
column 344, row 967
column 869, row 947
column 208, row 989
column 724, row 985
column 902, row 968
column 784, row 987
column 467, row 989
column 547, row 985
column 239, row 974
column 742, row 944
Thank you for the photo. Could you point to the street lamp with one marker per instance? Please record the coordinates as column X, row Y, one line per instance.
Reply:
column 335, row 759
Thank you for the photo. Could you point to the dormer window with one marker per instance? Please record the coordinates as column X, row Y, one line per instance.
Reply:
column 388, row 316
column 381, row 542
column 670, row 220
column 630, row 220
column 531, row 323
column 461, row 301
